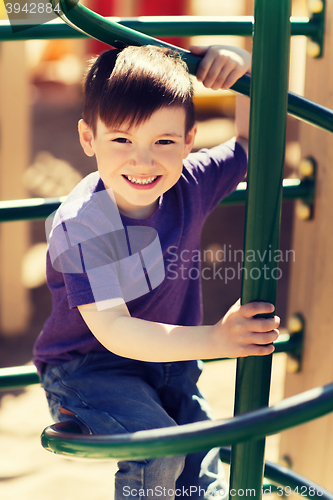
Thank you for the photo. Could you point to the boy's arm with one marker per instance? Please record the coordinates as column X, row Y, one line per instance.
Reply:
column 242, row 119
column 237, row 334
column 220, row 67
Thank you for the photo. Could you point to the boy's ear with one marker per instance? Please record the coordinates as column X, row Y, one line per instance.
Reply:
column 86, row 138
column 189, row 140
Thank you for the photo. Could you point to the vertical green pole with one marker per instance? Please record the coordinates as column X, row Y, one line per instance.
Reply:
column 269, row 85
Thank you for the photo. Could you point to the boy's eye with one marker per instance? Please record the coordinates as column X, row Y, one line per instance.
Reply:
column 121, row 140
column 165, row 141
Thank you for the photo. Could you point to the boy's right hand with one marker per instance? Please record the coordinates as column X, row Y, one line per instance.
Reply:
column 221, row 65
column 239, row 334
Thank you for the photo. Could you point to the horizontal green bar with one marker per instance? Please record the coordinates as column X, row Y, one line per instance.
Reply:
column 18, row 376
column 310, row 112
column 285, row 343
column 286, row 478
column 195, row 437
column 157, row 26
column 292, row 189
column 21, row 376
column 30, row 209
column 295, row 483
column 40, row 208
column 297, row 106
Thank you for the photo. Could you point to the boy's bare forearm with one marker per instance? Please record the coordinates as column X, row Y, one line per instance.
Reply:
column 158, row 342
column 145, row 340
column 237, row 334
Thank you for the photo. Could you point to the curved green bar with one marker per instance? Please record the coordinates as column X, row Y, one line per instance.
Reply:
column 18, row 376
column 90, row 23
column 96, row 26
column 194, row 437
column 162, row 26
column 286, row 477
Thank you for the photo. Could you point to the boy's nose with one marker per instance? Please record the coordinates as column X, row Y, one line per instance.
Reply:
column 143, row 158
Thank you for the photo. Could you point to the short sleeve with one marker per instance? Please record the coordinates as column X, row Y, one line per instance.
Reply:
column 86, row 262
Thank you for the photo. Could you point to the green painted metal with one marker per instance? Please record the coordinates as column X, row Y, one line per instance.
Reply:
column 111, row 33
column 40, row 208
column 291, row 481
column 116, row 35
column 107, row 28
column 288, row 343
column 310, row 112
column 301, row 108
column 193, row 437
column 285, row 480
column 29, row 209
column 21, row 376
column 291, row 344
column 292, row 189
column 18, row 376
column 269, row 88
column 162, row 27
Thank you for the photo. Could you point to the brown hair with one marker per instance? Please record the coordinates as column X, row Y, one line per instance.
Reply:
column 130, row 84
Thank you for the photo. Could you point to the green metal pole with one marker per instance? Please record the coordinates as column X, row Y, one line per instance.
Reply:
column 269, row 85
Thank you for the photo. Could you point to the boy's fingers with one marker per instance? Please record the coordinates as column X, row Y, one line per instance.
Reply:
column 224, row 74
column 231, row 79
column 264, row 338
column 217, row 73
column 206, row 67
column 198, row 50
column 260, row 350
column 265, row 325
column 252, row 308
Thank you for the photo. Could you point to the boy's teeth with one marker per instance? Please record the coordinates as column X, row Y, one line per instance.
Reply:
column 141, row 181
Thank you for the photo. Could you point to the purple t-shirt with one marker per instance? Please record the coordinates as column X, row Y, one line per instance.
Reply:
column 86, row 244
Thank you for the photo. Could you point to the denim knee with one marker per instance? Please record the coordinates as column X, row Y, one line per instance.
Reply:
column 151, row 479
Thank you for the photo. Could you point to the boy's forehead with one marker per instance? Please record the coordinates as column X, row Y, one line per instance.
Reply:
column 167, row 118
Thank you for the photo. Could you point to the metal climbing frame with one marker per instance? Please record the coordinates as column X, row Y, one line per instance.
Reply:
column 269, row 98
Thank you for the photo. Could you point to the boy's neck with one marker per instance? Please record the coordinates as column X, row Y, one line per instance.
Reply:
column 137, row 212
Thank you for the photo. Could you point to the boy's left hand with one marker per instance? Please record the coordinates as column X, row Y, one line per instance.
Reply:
column 221, row 65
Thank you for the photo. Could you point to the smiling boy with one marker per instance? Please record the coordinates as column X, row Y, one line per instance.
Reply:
column 113, row 356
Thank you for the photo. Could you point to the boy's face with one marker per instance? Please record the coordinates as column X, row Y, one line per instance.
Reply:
column 141, row 162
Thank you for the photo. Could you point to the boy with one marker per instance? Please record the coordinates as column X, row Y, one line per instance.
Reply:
column 116, row 354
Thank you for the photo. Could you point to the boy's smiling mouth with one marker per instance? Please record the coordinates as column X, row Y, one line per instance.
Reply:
column 139, row 181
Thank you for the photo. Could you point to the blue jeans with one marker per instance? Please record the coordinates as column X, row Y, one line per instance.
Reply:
column 108, row 394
